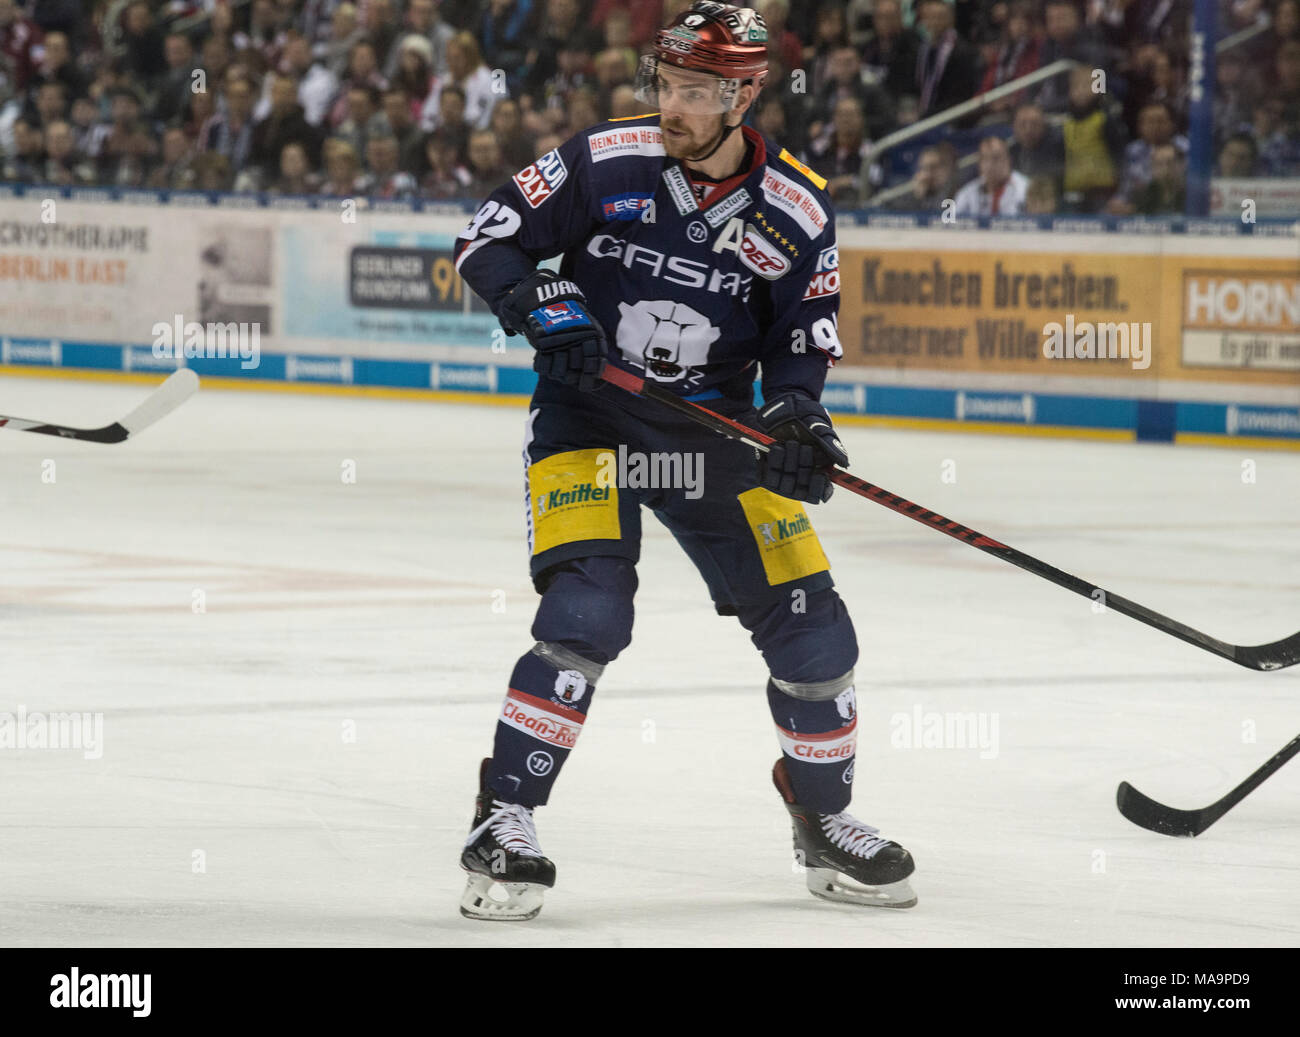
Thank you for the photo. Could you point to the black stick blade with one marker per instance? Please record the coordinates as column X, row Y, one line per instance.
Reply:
column 1146, row 813
column 1275, row 656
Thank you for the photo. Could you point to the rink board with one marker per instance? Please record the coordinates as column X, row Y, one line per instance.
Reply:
column 941, row 323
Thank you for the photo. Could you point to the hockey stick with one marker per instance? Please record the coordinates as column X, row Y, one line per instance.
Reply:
column 178, row 388
column 1146, row 813
column 1273, row 656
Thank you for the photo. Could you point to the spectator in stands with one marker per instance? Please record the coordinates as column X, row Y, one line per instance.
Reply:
column 845, row 79
column 214, row 58
column 1154, row 78
column 830, row 33
column 362, row 71
column 316, row 84
column 176, row 170
column 1037, row 149
column 177, row 83
column 584, row 111
column 380, row 23
column 285, row 123
column 1238, row 156
column 423, row 20
column 83, row 123
column 344, row 34
column 363, row 119
column 1288, row 84
column 50, row 104
column 144, row 43
column 561, row 28
column 341, row 169
column 1041, row 197
column 843, row 154
column 622, row 103
column 780, row 40
column 126, row 146
column 1166, row 191
column 507, row 124
column 1094, row 140
column 1067, row 37
column 931, row 185
column 547, row 142
column 56, row 65
column 402, row 125
column 450, row 117
column 503, row 31
column 1155, row 128
column 385, row 178
column 465, row 70
column 414, row 74
column 572, row 75
column 446, row 177
column 770, row 120
column 947, row 70
column 614, row 67
column 64, row 167
column 644, row 18
column 890, row 53
column 1234, row 95
column 212, row 172
column 998, row 190
column 486, row 166
column 1017, row 55
column 230, row 131
column 19, row 39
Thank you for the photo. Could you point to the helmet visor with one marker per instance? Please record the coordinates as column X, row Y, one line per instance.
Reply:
column 683, row 91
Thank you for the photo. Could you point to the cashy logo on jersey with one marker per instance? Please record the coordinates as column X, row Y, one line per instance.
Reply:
column 826, row 276
column 797, row 201
column 761, row 256
column 542, row 179
column 669, row 339
column 626, row 140
column 559, row 315
column 640, row 259
column 547, row 721
column 626, row 206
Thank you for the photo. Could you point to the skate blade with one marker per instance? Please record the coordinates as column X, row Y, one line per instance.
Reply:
column 488, row 900
column 831, row 885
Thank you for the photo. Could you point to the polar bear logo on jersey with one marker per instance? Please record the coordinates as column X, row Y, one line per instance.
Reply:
column 768, row 536
column 570, row 686
column 667, row 338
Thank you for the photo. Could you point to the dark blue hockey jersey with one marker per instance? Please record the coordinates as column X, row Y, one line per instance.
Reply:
column 690, row 291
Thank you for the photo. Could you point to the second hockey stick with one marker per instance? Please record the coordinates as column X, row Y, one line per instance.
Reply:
column 1156, row 817
column 1273, row 656
column 179, row 387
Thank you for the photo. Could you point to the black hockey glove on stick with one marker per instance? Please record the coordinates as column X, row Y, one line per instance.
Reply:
column 1273, row 656
column 805, row 446
column 551, row 312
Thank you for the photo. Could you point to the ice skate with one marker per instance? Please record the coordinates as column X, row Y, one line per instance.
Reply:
column 845, row 860
column 508, row 876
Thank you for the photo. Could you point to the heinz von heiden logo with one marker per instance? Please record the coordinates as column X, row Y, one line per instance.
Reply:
column 1084, row 340
column 189, row 340
column 95, row 990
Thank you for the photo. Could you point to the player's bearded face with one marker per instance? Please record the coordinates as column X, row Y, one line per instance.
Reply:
column 688, row 135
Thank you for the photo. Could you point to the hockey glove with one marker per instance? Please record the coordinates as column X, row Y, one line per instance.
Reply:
column 794, row 466
column 551, row 312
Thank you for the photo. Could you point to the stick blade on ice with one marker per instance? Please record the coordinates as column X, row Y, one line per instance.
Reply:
column 1146, row 813
column 178, row 388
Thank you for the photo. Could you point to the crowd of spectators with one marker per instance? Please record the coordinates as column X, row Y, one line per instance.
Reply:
column 445, row 99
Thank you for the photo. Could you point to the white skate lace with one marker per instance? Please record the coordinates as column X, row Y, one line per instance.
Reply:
column 852, row 836
column 512, row 827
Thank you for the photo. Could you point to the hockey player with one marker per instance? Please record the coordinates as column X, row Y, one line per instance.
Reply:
column 696, row 253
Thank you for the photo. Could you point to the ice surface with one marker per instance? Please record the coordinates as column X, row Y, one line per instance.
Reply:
column 331, row 608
